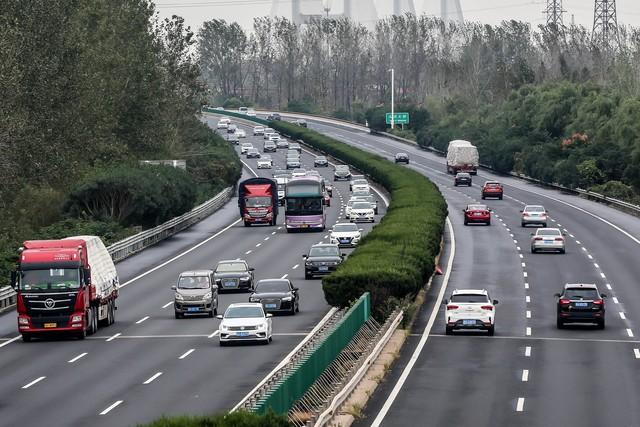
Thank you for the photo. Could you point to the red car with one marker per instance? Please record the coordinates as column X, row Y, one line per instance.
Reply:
column 477, row 213
column 492, row 189
column 327, row 199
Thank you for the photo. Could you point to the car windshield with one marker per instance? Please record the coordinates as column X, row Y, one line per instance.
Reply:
column 321, row 158
column 360, row 193
column 581, row 293
column 231, row 267
column 342, row 228
column 193, row 282
column 492, row 184
column 342, row 168
column 469, row 298
column 266, row 157
column 258, row 128
column 272, row 286
column 361, row 205
column 320, row 251
column 253, row 150
column 360, row 182
column 477, row 207
column 534, row 209
column 300, row 171
column 257, row 202
column 50, row 279
column 548, row 232
column 295, row 145
column 243, row 312
column 247, row 145
column 463, row 175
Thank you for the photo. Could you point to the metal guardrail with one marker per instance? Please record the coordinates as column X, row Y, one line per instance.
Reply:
column 133, row 244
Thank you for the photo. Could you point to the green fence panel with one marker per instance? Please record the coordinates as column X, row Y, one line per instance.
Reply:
column 236, row 114
column 293, row 386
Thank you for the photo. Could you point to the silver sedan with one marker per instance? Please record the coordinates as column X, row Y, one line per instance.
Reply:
column 547, row 239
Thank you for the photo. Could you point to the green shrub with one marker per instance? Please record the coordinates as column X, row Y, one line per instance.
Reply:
column 235, row 419
column 397, row 257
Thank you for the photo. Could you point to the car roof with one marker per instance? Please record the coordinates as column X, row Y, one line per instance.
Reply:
column 195, row 273
column 580, row 286
column 470, row 291
column 547, row 229
column 273, row 280
column 476, row 205
column 533, row 206
column 324, row 245
column 229, row 261
column 245, row 304
column 492, row 182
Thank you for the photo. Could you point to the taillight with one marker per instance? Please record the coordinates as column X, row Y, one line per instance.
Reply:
column 598, row 302
column 486, row 212
column 559, row 239
column 564, row 301
column 452, row 307
column 487, row 307
column 537, row 238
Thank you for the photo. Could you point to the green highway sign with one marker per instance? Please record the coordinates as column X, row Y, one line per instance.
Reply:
column 398, row 118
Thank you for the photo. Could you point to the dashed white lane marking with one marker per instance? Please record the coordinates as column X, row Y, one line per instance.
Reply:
column 167, row 304
column 520, row 404
column 602, row 275
column 525, row 375
column 552, row 220
column 559, row 225
column 113, row 337
column 187, row 353
column 266, row 238
column 622, row 316
column 630, row 332
column 142, row 320
column 112, row 406
column 515, row 241
column 258, row 245
column 511, row 235
column 608, row 286
column 523, row 264
column 589, row 256
column 273, row 233
column 526, row 285
column 153, row 377
column 528, row 314
column 572, row 236
column 295, row 266
column 584, row 249
column 578, row 242
column 528, row 331
column 36, row 381
column 78, row 357
column 248, row 252
column 326, row 235
column 527, row 351
column 527, row 298
column 280, row 228
column 518, row 248
column 525, row 274
column 521, row 256
column 284, row 276
column 615, row 300
column 213, row 334
column 596, row 265
column 16, row 338
column 636, row 352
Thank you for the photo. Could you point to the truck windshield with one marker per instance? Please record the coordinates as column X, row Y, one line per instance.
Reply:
column 50, row 279
column 304, row 206
column 257, row 202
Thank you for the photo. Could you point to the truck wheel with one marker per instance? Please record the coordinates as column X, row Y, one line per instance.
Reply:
column 93, row 321
column 26, row 337
column 112, row 312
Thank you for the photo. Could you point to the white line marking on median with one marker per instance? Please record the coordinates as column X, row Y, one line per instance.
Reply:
column 284, row 276
column 78, row 357
column 527, row 351
column 636, row 352
column 113, row 405
column 630, row 332
column 153, row 377
column 188, row 352
column 520, row 404
column 423, row 339
column 142, row 320
column 213, row 334
column 16, row 338
column 167, row 304
column 525, row 375
column 37, row 380
column 113, row 337
column 295, row 266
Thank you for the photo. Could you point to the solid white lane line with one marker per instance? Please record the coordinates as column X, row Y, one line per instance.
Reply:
column 284, row 276
column 630, row 332
column 37, row 380
column 525, row 375
column 16, row 338
column 188, row 352
column 424, row 337
column 622, row 316
column 142, row 320
column 520, row 404
column 615, row 300
column 528, row 331
column 167, row 304
column 248, row 252
column 78, row 357
column 213, row 334
column 153, row 377
column 113, row 337
column 295, row 266
column 528, row 314
column 258, row 245
column 636, row 352
column 109, row 408
column 527, row 351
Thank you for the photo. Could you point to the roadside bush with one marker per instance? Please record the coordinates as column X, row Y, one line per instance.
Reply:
column 235, row 419
column 397, row 257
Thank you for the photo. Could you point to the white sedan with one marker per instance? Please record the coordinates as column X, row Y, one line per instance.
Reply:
column 241, row 133
column 346, row 234
column 547, row 239
column 245, row 322
column 361, row 211
column 265, row 162
column 246, row 146
column 470, row 309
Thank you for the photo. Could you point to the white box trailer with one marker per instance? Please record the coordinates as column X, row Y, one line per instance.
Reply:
column 462, row 156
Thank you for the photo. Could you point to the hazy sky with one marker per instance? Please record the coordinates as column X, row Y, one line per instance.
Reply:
column 196, row 12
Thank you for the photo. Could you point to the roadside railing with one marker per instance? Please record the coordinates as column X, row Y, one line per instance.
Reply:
column 134, row 244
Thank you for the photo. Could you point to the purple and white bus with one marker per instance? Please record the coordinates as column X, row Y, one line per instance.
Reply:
column 304, row 204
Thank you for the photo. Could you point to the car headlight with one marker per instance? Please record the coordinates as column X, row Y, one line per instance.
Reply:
column 208, row 295
column 179, row 296
column 245, row 279
column 308, row 263
column 262, row 326
column 223, row 326
column 287, row 299
column 254, row 299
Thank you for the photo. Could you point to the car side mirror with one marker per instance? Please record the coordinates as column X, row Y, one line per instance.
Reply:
column 532, row 234
column 304, row 256
column 603, row 295
column 521, row 210
column 556, row 295
column 495, row 302
column 343, row 255
column 87, row 275
column 14, row 279
column 251, row 269
column 360, row 229
column 295, row 289
column 564, row 234
column 219, row 316
column 173, row 287
column 214, row 287
column 464, row 210
column 269, row 315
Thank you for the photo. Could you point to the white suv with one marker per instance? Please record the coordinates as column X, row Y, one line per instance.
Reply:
column 470, row 309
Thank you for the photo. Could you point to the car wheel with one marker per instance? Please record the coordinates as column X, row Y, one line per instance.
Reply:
column 492, row 330
column 293, row 310
column 298, row 308
column 601, row 324
column 559, row 324
column 533, row 250
column 308, row 276
column 522, row 224
column 222, row 343
column 26, row 338
column 500, row 197
column 247, row 223
column 211, row 313
column 562, row 251
column 469, row 185
column 455, row 184
column 466, row 222
column 483, row 196
column 178, row 315
column 448, row 330
column 489, row 222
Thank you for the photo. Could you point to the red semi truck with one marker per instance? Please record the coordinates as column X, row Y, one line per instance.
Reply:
column 258, row 201
column 65, row 286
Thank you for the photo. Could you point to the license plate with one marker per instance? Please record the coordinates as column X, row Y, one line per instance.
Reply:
column 344, row 241
column 50, row 325
column 193, row 309
column 477, row 214
column 304, row 226
column 242, row 334
column 468, row 322
column 548, row 241
column 270, row 306
column 581, row 304
column 229, row 284
column 323, row 268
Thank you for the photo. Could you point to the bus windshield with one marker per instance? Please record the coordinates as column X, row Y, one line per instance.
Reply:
column 304, row 206
column 50, row 279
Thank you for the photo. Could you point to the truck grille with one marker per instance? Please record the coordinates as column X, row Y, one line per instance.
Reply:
column 49, row 304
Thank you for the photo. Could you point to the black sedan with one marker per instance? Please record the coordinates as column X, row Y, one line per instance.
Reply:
column 293, row 162
column 253, row 153
column 402, row 158
column 323, row 258
column 274, row 116
column 233, row 275
column 277, row 295
column 462, row 178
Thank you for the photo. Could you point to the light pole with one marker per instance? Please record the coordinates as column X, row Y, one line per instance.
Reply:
column 392, row 100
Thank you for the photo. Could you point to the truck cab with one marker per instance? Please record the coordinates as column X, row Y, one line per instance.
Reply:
column 258, row 201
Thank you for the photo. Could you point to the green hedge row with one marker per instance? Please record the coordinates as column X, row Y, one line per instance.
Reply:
column 235, row 419
column 397, row 257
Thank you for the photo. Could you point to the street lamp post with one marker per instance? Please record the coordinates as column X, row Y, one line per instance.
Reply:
column 392, row 100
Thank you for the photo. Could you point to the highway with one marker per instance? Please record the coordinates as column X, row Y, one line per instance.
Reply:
column 148, row 363
column 529, row 373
